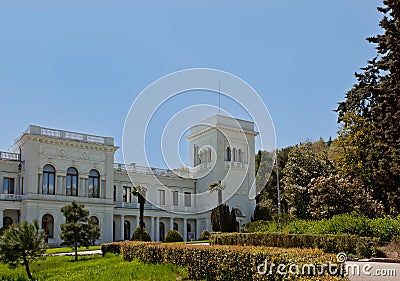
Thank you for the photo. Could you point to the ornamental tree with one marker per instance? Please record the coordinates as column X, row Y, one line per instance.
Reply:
column 77, row 230
column 21, row 244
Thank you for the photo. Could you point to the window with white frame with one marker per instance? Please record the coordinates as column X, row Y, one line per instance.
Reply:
column 8, row 185
column 161, row 197
column 126, row 194
column 188, row 199
column 175, row 198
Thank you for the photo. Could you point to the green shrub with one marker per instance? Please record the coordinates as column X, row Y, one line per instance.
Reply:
column 205, row 235
column 139, row 236
column 229, row 262
column 353, row 224
column 385, row 228
column 173, row 236
column 350, row 244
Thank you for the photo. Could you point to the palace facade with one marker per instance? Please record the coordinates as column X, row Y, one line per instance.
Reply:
column 46, row 169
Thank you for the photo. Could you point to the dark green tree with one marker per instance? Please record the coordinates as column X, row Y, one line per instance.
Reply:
column 77, row 230
column 222, row 219
column 375, row 102
column 267, row 200
column 139, row 191
column 22, row 243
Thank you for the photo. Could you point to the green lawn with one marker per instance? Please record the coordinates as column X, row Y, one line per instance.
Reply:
column 69, row 249
column 110, row 267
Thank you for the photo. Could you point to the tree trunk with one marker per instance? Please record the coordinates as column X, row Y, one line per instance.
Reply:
column 141, row 215
column 26, row 263
column 76, row 250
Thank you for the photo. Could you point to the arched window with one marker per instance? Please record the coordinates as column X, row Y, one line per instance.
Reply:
column 94, row 220
column 127, row 230
column 234, row 155
column 49, row 175
column 7, row 221
column 94, row 184
column 176, row 226
column 228, row 153
column 72, row 182
column 48, row 225
column 240, row 159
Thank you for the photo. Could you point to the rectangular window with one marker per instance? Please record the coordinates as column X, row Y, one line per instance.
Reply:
column 175, row 198
column 115, row 193
column 188, row 199
column 126, row 194
column 161, row 197
column 8, row 186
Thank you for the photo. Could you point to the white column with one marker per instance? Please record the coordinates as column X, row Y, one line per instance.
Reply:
column 152, row 228
column 185, row 229
column 40, row 183
column 122, row 227
column 1, row 218
column 171, row 223
column 157, row 229
column 137, row 221
column 197, row 229
column 208, row 228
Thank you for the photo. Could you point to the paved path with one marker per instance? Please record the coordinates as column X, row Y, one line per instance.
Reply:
column 374, row 271
column 81, row 253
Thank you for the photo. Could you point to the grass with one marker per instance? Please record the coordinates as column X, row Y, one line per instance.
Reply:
column 109, row 267
column 69, row 249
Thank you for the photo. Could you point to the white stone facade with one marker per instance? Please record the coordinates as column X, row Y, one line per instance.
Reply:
column 48, row 168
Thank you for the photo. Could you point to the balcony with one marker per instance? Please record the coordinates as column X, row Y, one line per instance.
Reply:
column 235, row 165
column 9, row 156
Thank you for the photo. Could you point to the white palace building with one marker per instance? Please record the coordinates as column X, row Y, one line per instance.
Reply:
column 46, row 169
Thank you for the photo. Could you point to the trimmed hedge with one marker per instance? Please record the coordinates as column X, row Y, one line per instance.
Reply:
column 114, row 248
column 231, row 262
column 350, row 244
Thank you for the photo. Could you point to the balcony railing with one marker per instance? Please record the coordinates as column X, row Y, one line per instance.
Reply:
column 36, row 130
column 9, row 156
column 12, row 197
column 133, row 168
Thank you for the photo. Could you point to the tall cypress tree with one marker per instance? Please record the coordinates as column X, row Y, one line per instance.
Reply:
column 375, row 99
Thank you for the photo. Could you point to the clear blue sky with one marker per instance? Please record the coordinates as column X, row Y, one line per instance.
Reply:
column 78, row 65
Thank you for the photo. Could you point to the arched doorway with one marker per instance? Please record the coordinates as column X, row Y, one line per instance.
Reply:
column 127, row 230
column 113, row 230
column 162, row 231
column 7, row 221
column 188, row 230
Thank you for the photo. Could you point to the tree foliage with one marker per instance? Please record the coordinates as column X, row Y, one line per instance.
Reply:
column 222, row 219
column 302, row 166
column 77, row 230
column 372, row 109
column 141, row 235
column 21, row 244
column 333, row 195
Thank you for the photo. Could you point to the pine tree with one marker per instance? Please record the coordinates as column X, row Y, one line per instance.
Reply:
column 77, row 230
column 375, row 99
column 22, row 243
